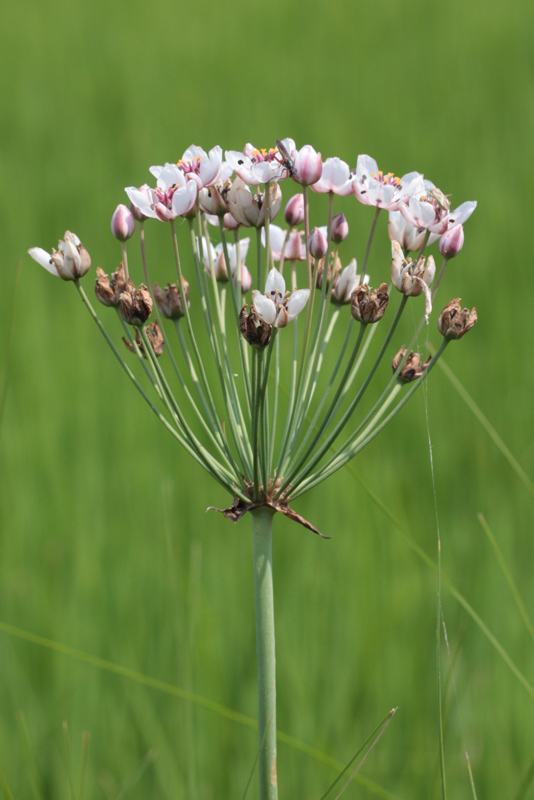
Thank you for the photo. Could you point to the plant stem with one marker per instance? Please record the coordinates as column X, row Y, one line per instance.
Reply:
column 262, row 525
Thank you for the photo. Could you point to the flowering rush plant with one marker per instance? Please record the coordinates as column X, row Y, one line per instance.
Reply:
column 270, row 413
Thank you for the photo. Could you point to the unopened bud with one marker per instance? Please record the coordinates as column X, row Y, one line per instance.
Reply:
column 155, row 338
column 369, row 306
column 452, row 241
column 317, row 244
column 169, row 300
column 454, row 321
column 122, row 223
column 340, row 228
column 108, row 291
column 135, row 305
column 412, row 368
column 246, row 279
column 294, row 211
column 253, row 328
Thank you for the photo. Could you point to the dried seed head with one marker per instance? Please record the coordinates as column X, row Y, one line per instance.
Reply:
column 255, row 330
column 369, row 305
column 169, row 300
column 155, row 338
column 318, row 269
column 135, row 305
column 108, row 291
column 454, row 321
column 412, row 368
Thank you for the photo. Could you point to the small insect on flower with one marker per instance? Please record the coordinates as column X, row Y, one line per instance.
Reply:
column 286, row 161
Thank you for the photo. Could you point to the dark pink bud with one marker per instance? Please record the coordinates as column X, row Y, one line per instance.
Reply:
column 294, row 212
column 452, row 241
column 317, row 244
column 340, row 228
column 122, row 223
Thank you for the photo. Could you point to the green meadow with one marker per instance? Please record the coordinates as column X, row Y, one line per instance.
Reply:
column 126, row 610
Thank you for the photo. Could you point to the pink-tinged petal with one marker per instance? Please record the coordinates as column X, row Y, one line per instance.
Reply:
column 170, row 175
column 296, row 303
column 210, row 166
column 265, row 171
column 264, row 307
column 406, row 211
column 194, row 151
column 277, row 238
column 142, row 200
column 462, row 213
column 163, row 213
column 365, row 167
column 43, row 258
column 308, row 165
column 184, row 199
column 246, row 279
column 288, row 144
column 226, row 171
column 275, row 283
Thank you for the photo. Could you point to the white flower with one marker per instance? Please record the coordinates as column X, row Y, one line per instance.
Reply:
column 248, row 208
column 201, row 167
column 255, row 166
column 69, row 262
column 173, row 196
column 374, row 188
column 336, row 178
column 347, row 282
column 274, row 307
column 294, row 250
column 429, row 209
column 218, row 260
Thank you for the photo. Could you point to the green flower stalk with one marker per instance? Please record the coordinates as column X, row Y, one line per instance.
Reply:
column 269, row 414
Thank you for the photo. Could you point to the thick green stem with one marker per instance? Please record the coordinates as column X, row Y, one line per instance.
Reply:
column 262, row 525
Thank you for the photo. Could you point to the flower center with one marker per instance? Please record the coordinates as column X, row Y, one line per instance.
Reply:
column 192, row 165
column 165, row 195
column 390, row 179
column 263, row 155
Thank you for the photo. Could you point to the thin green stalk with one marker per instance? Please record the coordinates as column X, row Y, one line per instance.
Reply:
column 507, row 574
column 86, row 737
column 344, row 456
column 294, row 469
column 238, row 430
column 259, row 282
column 70, row 768
column 350, row 410
column 440, row 693
column 262, row 521
column 370, row 242
column 125, row 261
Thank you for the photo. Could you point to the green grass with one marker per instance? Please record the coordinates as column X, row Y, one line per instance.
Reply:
column 105, row 545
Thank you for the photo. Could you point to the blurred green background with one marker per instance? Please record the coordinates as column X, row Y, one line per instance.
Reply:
column 105, row 544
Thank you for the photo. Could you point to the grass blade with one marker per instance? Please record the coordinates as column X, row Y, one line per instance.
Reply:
column 203, row 702
column 5, row 787
column 507, row 574
column 380, row 728
column 33, row 772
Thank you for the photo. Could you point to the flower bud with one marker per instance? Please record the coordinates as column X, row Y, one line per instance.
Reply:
column 308, row 165
column 294, row 210
column 248, row 208
column 412, row 368
column 369, row 306
column 345, row 283
column 108, row 291
column 122, row 223
column 69, row 262
column 452, row 241
column 169, row 300
column 454, row 321
column 246, row 279
column 340, row 228
column 135, row 305
column 155, row 338
column 253, row 328
column 317, row 244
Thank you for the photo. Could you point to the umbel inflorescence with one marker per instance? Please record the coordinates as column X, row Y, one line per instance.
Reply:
column 270, row 412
